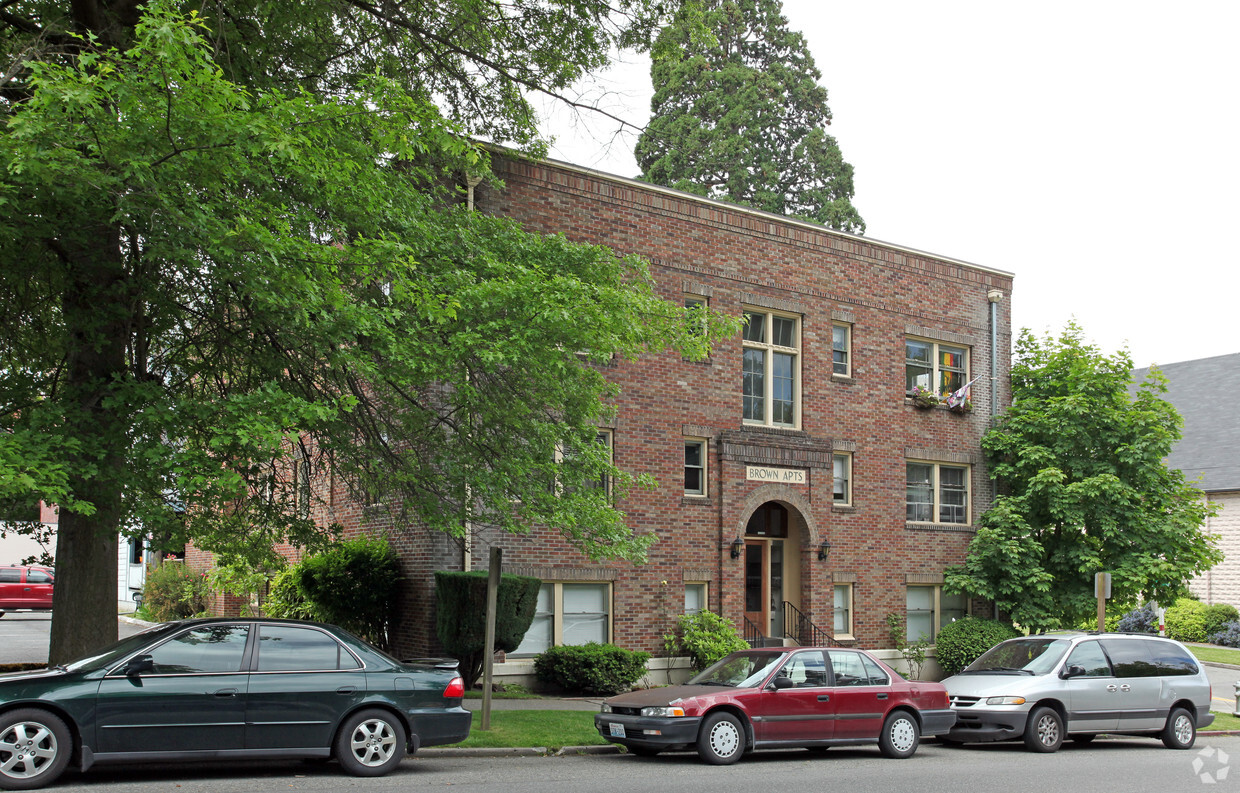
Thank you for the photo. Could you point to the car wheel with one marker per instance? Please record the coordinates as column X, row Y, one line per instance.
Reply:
column 370, row 743
column 1181, row 730
column 34, row 749
column 1084, row 738
column 1044, row 730
column 643, row 751
column 721, row 741
column 900, row 735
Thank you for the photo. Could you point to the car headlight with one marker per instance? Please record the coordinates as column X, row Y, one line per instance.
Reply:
column 605, row 708
column 1005, row 700
column 665, row 711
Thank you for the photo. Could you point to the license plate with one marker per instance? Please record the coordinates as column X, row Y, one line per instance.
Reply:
column 617, row 730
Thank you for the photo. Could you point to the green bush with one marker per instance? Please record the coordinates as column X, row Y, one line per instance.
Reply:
column 1186, row 621
column 705, row 637
column 1218, row 615
column 460, row 619
column 960, row 643
column 591, row 668
column 173, row 591
column 353, row 584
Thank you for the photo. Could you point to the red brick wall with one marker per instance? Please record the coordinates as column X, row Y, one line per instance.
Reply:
column 740, row 258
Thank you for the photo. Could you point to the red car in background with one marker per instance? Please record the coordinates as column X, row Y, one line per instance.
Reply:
column 26, row 587
column 778, row 698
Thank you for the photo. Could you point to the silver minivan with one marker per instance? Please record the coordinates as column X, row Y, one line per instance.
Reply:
column 1047, row 687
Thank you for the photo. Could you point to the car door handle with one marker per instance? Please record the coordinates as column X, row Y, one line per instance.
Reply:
column 824, row 697
column 346, row 690
column 1112, row 688
column 226, row 692
column 882, row 696
column 1125, row 687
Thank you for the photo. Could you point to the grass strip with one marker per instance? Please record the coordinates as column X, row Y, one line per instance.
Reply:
column 1218, row 655
column 553, row 729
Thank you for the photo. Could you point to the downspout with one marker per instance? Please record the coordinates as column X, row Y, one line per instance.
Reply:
column 467, row 541
column 994, row 296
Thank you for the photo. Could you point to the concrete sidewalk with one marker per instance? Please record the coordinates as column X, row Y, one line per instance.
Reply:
column 541, row 703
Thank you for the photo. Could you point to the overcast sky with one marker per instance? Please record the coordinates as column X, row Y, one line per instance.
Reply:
column 1092, row 148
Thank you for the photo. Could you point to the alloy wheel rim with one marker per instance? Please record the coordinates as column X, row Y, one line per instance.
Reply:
column 373, row 743
column 902, row 735
column 26, row 749
column 1183, row 729
column 724, row 739
column 1048, row 731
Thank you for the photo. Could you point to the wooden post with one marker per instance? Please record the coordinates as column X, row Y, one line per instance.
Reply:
column 488, row 659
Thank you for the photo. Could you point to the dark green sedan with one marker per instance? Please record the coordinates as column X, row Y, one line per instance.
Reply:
column 210, row 689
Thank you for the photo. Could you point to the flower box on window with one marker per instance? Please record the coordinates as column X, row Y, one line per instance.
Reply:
column 923, row 398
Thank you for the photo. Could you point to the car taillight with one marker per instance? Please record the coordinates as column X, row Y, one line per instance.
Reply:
column 455, row 689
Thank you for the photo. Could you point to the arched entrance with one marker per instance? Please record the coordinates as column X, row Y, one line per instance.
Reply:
column 772, row 566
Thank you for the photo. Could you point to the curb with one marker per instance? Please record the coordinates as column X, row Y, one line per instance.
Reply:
column 530, row 751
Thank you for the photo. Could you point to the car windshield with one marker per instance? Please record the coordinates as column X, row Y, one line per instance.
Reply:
column 113, row 653
column 741, row 670
column 1035, row 655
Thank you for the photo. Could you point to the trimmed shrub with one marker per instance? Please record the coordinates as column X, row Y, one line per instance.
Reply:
column 591, row 668
column 1186, row 621
column 353, row 584
column 1229, row 636
column 460, row 619
column 1142, row 620
column 960, row 643
column 173, row 591
column 1218, row 615
column 705, row 637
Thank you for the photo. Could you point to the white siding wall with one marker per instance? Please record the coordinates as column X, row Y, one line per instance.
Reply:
column 1222, row 583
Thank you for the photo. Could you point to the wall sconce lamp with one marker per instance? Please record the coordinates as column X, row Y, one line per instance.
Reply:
column 824, row 548
column 738, row 545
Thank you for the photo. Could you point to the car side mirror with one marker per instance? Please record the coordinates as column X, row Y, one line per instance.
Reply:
column 1073, row 671
column 139, row 664
column 783, row 682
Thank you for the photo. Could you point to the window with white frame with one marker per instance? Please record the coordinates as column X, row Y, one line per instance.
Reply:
column 568, row 612
column 695, row 597
column 929, row 608
column 841, row 349
column 695, row 467
column 841, row 488
column 697, row 302
column 842, row 624
column 934, row 367
column 937, row 493
column 770, row 370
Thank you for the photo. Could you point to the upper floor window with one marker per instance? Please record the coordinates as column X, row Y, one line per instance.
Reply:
column 841, row 493
column 934, row 367
column 695, row 467
column 301, row 486
column 841, row 350
column 937, row 493
column 770, row 369
column 699, row 303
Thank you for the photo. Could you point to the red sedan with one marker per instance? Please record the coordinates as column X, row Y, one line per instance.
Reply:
column 777, row 698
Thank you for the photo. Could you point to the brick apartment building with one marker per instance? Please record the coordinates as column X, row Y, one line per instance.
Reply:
column 796, row 476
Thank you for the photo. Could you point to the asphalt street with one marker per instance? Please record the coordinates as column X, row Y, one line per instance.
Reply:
column 24, row 635
column 1132, row 765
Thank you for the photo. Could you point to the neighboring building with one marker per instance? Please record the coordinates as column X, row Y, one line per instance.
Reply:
column 1202, row 391
column 796, row 475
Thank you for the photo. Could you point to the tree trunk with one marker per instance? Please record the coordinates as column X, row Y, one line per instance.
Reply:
column 95, row 407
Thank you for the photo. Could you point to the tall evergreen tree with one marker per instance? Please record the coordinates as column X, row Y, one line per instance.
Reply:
column 738, row 114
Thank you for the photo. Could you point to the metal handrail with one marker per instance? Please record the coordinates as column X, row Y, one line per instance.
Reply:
column 801, row 628
column 753, row 634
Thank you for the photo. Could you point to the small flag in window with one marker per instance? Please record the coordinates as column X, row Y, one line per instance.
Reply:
column 960, row 395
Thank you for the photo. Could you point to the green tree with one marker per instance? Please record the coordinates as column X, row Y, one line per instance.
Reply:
column 1083, row 489
column 229, row 237
column 738, row 114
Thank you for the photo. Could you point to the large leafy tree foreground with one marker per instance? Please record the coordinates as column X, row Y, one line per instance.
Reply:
column 224, row 239
column 1083, row 489
column 738, row 114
